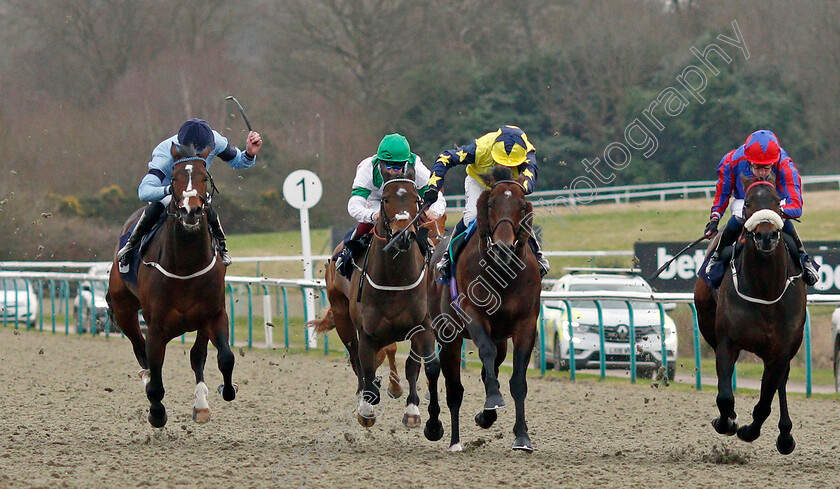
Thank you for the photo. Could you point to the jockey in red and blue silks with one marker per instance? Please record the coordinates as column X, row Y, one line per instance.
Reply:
column 758, row 157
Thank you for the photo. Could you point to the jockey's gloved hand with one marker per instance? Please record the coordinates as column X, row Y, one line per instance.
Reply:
column 712, row 228
column 430, row 197
column 167, row 190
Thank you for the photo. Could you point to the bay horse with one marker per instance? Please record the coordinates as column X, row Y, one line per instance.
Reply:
column 499, row 286
column 385, row 300
column 181, row 289
column 760, row 308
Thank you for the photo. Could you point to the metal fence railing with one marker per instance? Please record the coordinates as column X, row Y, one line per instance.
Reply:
column 258, row 304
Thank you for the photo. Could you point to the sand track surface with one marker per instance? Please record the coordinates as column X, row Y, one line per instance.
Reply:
column 74, row 415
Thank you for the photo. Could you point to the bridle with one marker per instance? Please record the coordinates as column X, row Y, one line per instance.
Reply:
column 516, row 227
column 388, row 220
column 751, row 232
column 206, row 199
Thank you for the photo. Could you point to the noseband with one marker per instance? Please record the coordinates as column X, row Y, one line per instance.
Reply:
column 173, row 207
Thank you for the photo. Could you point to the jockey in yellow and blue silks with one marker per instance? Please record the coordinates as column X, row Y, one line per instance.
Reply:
column 156, row 186
column 759, row 157
column 508, row 146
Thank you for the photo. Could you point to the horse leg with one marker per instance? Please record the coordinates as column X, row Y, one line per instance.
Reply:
column 124, row 307
column 225, row 357
column 523, row 345
column 725, row 357
column 450, row 362
column 771, row 379
column 784, row 443
column 347, row 333
column 422, row 350
column 487, row 417
column 198, row 356
column 369, row 395
column 434, row 429
column 395, row 390
column 487, row 352
column 155, row 352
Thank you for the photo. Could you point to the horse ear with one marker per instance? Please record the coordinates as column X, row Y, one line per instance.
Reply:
column 772, row 178
column 488, row 179
column 386, row 175
column 408, row 171
column 175, row 150
column 204, row 154
column 746, row 182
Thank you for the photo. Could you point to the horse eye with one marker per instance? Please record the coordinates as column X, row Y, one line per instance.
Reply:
column 384, row 201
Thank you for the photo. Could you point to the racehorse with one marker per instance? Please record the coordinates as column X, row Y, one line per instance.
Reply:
column 385, row 300
column 499, row 283
column 760, row 308
column 181, row 288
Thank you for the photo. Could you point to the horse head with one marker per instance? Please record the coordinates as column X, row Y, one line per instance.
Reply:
column 190, row 181
column 399, row 205
column 763, row 213
column 504, row 215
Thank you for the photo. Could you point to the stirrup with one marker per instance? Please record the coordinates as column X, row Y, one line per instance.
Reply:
column 714, row 261
column 810, row 274
column 122, row 257
column 545, row 266
column 443, row 266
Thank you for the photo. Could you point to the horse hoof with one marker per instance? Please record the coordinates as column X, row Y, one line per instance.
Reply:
column 485, row 419
column 228, row 394
column 746, row 433
column 785, row 444
column 433, row 430
column 395, row 392
column 201, row 415
column 411, row 420
column 157, row 420
column 523, row 443
column 455, row 448
column 728, row 428
column 496, row 401
column 367, row 422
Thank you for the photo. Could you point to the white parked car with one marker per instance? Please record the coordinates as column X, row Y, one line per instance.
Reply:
column 616, row 323
column 18, row 301
column 90, row 300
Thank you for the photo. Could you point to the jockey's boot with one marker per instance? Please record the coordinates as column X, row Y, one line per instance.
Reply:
column 344, row 258
column 727, row 237
column 217, row 232
column 443, row 266
column 545, row 266
column 147, row 220
column 810, row 275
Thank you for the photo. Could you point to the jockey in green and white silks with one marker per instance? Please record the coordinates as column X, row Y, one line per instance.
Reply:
column 395, row 154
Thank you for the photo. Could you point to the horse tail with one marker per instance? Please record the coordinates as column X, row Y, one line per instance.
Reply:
column 324, row 324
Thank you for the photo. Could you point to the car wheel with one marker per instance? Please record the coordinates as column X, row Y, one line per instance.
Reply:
column 672, row 370
column 644, row 372
column 86, row 320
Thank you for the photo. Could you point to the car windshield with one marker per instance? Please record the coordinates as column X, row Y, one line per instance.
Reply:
column 611, row 287
column 12, row 284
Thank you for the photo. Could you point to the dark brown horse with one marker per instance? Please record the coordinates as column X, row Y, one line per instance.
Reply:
column 760, row 308
column 392, row 305
column 181, row 288
column 499, row 284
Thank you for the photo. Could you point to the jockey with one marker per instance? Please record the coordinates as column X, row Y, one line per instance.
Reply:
column 507, row 146
column 395, row 152
column 758, row 157
column 156, row 186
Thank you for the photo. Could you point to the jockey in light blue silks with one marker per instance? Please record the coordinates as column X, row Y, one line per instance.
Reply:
column 759, row 157
column 394, row 153
column 156, row 186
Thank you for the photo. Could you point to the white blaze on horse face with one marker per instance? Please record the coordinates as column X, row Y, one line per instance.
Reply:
column 401, row 192
column 200, row 393
column 508, row 194
column 402, row 216
column 190, row 191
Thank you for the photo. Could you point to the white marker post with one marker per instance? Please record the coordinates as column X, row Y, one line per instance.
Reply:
column 302, row 189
